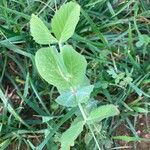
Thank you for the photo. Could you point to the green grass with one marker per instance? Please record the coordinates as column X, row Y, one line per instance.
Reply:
column 110, row 36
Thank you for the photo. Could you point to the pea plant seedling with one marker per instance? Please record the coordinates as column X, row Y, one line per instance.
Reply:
column 63, row 67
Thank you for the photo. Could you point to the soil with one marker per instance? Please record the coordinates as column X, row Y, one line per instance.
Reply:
column 143, row 131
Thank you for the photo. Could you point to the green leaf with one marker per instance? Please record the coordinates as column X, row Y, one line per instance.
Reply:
column 11, row 109
column 46, row 118
column 67, row 99
column 75, row 63
column 139, row 44
column 65, row 20
column 102, row 112
column 144, row 39
column 140, row 110
column 129, row 138
column 49, row 67
column 71, row 134
column 138, row 91
column 5, row 144
column 83, row 94
column 72, row 98
column 40, row 32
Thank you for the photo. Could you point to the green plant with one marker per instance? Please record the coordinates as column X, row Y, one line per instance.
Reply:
column 66, row 70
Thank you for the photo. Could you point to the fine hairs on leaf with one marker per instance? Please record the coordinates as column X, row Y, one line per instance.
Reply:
column 65, row 69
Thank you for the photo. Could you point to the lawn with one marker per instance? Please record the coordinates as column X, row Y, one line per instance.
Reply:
column 107, row 43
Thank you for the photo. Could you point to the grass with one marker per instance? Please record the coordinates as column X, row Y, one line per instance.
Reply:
column 113, row 35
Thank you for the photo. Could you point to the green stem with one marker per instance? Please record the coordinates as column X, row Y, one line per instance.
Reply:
column 60, row 46
column 85, row 119
column 94, row 137
column 82, row 112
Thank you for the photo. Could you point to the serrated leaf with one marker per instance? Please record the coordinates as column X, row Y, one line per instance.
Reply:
column 102, row 112
column 71, row 134
column 40, row 32
column 49, row 68
column 65, row 20
column 72, row 98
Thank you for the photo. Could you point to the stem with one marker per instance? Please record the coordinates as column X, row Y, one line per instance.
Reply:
column 94, row 137
column 82, row 112
column 85, row 119
column 60, row 46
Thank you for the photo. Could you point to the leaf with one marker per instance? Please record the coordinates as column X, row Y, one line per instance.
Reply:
column 139, row 44
column 67, row 99
column 40, row 32
column 11, row 109
column 49, row 68
column 140, row 110
column 5, row 144
column 71, row 134
column 129, row 138
column 72, row 98
column 65, row 20
column 144, row 39
column 46, row 118
column 75, row 63
column 56, row 127
column 83, row 94
column 138, row 91
column 102, row 112
column 46, row 60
